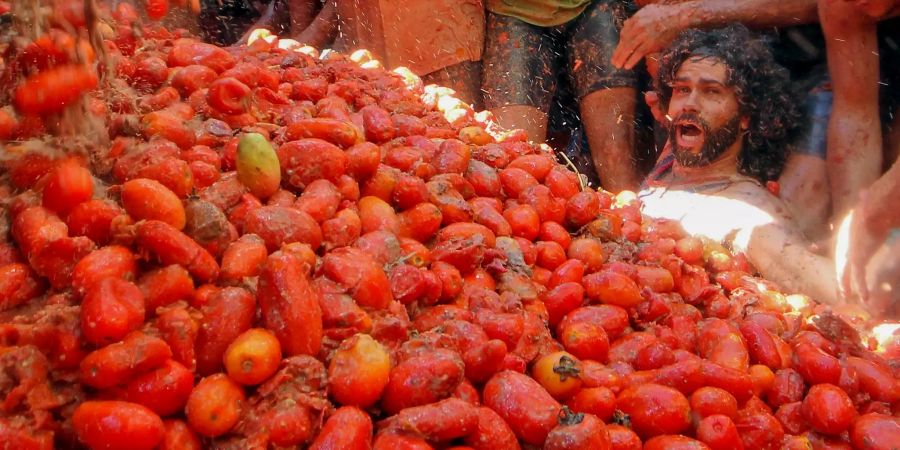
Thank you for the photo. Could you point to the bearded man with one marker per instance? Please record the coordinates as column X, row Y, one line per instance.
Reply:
column 730, row 111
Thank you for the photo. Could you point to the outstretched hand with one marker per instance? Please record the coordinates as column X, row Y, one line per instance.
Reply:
column 867, row 265
column 650, row 30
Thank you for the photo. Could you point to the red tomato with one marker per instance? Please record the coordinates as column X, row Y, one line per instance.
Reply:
column 655, row 409
column 228, row 95
column 157, row 9
column 69, row 184
column 828, row 409
column 117, row 425
column 50, row 91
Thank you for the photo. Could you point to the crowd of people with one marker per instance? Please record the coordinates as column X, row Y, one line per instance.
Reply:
column 768, row 125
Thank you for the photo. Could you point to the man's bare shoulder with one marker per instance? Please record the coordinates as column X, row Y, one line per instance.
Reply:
column 755, row 195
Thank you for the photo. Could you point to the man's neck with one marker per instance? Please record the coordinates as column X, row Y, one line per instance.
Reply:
column 725, row 166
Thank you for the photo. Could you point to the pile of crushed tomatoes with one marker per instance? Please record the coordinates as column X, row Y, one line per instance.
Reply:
column 263, row 246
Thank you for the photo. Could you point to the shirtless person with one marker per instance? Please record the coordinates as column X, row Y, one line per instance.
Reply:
column 804, row 182
column 729, row 113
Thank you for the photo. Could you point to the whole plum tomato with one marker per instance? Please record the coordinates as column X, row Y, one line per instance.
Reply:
column 828, row 409
column 117, row 425
column 875, row 432
column 525, row 406
column 655, row 409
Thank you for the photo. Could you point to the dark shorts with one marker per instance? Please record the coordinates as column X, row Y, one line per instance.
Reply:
column 223, row 22
column 889, row 52
column 521, row 63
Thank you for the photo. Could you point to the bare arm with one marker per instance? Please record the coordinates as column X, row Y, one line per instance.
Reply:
column 854, row 130
column 780, row 252
column 870, row 224
column 782, row 256
column 653, row 27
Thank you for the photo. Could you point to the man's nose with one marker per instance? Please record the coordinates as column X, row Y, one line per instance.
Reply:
column 690, row 103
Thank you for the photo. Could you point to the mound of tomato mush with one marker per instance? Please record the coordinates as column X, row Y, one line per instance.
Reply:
column 263, row 246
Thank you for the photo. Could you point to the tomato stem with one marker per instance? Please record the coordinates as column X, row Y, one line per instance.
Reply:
column 566, row 368
column 569, row 417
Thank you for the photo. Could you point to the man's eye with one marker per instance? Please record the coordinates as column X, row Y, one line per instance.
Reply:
column 713, row 91
column 682, row 90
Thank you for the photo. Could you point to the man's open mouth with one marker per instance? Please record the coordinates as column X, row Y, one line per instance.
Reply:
column 688, row 134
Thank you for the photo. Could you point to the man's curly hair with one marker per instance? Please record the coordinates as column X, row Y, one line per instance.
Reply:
column 763, row 88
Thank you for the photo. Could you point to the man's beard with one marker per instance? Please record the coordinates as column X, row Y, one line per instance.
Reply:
column 715, row 142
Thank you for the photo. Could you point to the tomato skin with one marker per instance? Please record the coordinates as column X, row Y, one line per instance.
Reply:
column 164, row 390
column 790, row 415
column 437, row 422
column 93, row 219
column 525, row 406
column 229, row 312
column 492, row 433
column 828, row 409
column 253, row 357
column 364, row 278
column 674, row 442
column 172, row 246
column 719, row 433
column 166, row 285
column 583, row 336
column 157, row 9
column 349, row 428
column 581, row 209
column 423, row 379
column 111, row 309
column 760, row 430
column 187, row 52
column 388, row 441
column 117, row 425
column 69, row 184
column 559, row 373
column 120, row 362
column 190, row 79
column 290, row 305
column 179, row 436
column 18, row 284
column 50, row 91
column 359, row 371
column 655, row 409
column 215, row 405
column 875, row 380
column 342, row 133
column 787, row 388
column 306, row 160
column 708, row 401
column 590, row 252
column 149, row 199
column 578, row 432
column 179, row 330
column 875, row 432
column 229, row 96
column 622, row 438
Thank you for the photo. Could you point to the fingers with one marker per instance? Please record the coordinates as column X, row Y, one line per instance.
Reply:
column 645, row 47
column 628, row 41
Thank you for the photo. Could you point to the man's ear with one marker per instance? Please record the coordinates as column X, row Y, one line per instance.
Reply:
column 745, row 123
column 651, row 98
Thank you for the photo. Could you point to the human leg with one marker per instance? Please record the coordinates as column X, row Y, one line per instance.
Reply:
column 607, row 95
column 518, row 74
column 464, row 78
